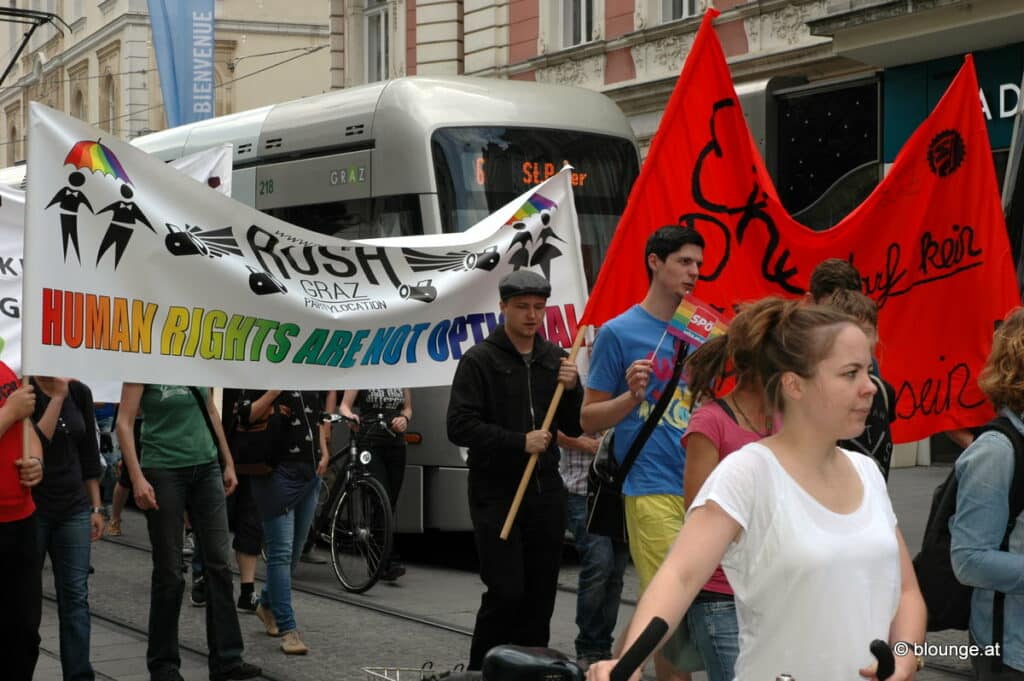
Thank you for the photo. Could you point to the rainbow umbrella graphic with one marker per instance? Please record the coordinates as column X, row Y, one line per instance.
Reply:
column 535, row 204
column 97, row 158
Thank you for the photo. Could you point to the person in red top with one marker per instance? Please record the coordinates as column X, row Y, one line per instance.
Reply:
column 719, row 427
column 19, row 538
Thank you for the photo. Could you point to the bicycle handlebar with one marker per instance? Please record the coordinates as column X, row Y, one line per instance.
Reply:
column 643, row 646
column 886, row 662
column 378, row 422
column 652, row 634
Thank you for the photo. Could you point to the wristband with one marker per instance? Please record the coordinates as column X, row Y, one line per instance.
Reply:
column 96, row 509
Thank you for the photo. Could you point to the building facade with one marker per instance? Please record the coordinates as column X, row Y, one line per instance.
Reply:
column 799, row 65
column 831, row 88
column 101, row 66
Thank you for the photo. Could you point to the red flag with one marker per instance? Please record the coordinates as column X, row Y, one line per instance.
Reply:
column 930, row 241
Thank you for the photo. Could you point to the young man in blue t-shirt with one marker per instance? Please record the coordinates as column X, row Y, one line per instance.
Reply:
column 626, row 379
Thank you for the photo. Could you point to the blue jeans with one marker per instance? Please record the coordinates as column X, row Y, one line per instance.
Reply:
column 715, row 631
column 199, row 489
column 110, row 458
column 602, row 564
column 67, row 541
column 284, row 537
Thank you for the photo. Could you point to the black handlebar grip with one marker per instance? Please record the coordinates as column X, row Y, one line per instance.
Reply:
column 886, row 662
column 643, row 646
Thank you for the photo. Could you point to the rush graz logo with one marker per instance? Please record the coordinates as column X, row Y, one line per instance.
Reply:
column 339, row 277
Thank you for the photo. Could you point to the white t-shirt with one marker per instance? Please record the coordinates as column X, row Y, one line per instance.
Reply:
column 813, row 587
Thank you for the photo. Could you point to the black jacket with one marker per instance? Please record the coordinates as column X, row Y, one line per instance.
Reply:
column 496, row 399
column 300, row 435
column 71, row 457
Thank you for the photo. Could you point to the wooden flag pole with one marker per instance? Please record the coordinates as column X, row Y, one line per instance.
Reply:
column 26, row 424
column 532, row 463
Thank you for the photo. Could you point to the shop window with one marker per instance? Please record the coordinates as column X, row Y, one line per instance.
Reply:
column 78, row 105
column 677, row 9
column 12, row 30
column 828, row 158
column 577, row 22
column 13, row 146
column 376, row 17
column 108, row 104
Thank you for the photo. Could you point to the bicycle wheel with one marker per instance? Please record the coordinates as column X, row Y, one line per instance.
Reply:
column 361, row 534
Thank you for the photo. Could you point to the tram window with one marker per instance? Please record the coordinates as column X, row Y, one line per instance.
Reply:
column 479, row 170
column 824, row 137
column 384, row 216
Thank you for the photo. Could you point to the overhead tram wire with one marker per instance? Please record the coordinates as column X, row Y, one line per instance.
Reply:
column 34, row 17
column 307, row 51
column 145, row 71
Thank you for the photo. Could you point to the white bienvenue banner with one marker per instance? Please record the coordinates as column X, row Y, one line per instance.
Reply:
column 212, row 166
column 178, row 284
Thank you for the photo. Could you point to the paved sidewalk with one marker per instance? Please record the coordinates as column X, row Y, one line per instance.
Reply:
column 345, row 639
column 117, row 653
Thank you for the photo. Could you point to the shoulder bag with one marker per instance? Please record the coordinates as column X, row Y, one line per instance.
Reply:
column 606, row 510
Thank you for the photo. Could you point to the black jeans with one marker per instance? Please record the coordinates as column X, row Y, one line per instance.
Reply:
column 23, row 581
column 200, row 490
column 521, row 574
column 244, row 518
column 388, row 466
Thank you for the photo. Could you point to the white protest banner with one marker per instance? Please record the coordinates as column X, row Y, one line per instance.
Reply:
column 12, row 227
column 212, row 167
column 181, row 285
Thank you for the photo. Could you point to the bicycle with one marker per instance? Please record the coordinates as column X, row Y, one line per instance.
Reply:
column 357, row 512
column 515, row 663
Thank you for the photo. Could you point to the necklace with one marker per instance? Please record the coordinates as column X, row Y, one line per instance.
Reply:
column 739, row 410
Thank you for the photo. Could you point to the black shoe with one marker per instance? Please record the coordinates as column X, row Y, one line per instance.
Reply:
column 198, row 595
column 243, row 670
column 167, row 676
column 312, row 557
column 248, row 602
column 393, row 572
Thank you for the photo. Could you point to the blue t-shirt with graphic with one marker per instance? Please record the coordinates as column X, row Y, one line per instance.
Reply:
column 631, row 336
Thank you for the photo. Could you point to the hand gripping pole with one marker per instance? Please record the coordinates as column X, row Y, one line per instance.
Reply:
column 532, row 463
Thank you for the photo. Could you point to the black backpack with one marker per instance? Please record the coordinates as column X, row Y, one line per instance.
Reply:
column 949, row 601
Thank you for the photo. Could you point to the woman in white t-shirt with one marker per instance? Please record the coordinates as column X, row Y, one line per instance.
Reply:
column 804, row 530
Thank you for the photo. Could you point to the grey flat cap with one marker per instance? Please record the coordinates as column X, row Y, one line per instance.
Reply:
column 523, row 283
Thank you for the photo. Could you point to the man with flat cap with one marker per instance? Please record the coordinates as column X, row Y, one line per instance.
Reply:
column 500, row 395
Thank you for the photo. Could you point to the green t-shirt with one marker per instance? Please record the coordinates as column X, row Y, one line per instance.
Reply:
column 174, row 432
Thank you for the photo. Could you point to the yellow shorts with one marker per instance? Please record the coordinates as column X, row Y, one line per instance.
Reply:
column 653, row 521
